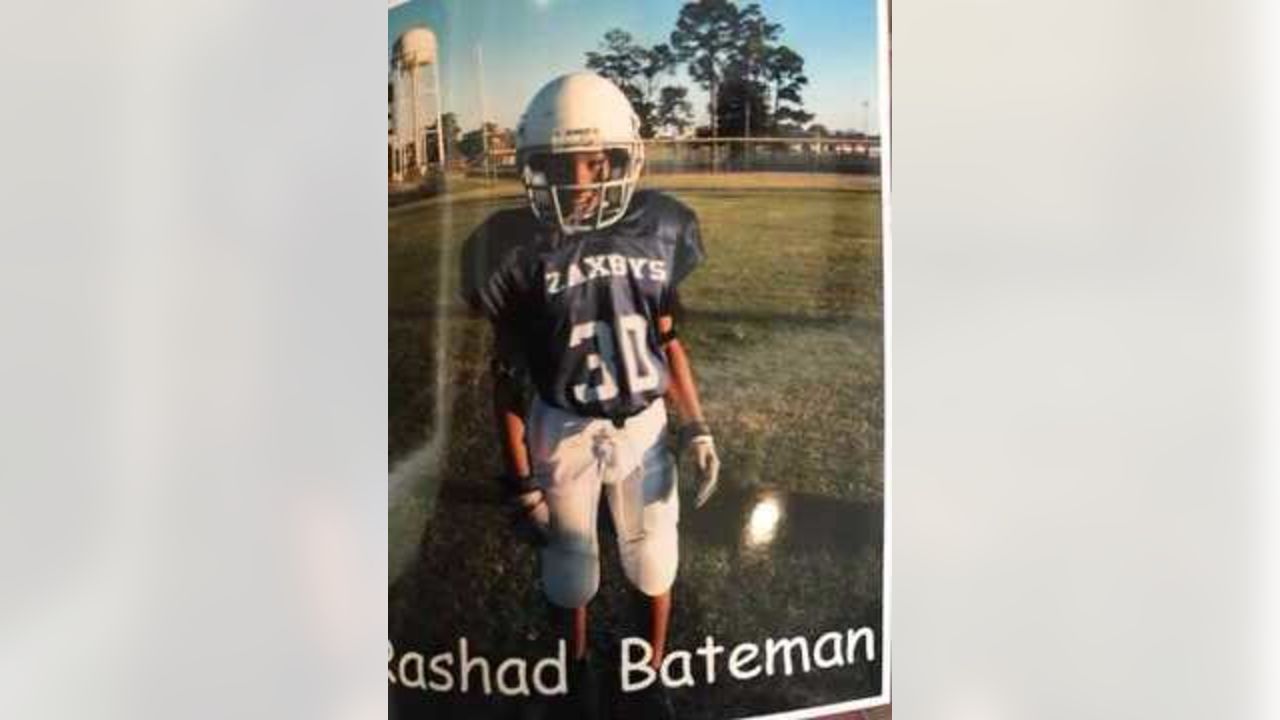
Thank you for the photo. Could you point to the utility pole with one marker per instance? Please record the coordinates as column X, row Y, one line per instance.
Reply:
column 419, row 132
column 435, row 71
column 484, row 113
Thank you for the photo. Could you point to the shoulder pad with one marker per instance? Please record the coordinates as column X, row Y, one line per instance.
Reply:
column 674, row 225
column 666, row 214
column 492, row 249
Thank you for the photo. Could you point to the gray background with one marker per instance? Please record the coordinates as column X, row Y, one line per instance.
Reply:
column 192, row 300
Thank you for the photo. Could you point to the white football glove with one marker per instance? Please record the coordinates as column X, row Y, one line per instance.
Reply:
column 696, row 438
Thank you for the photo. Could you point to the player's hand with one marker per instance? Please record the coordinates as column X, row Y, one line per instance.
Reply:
column 528, row 511
column 696, row 438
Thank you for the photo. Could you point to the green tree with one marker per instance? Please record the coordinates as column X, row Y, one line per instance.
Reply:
column 784, row 69
column 638, row 71
column 449, row 121
column 705, row 37
column 748, row 66
column 673, row 110
column 472, row 144
column 619, row 59
column 740, row 100
column 754, row 82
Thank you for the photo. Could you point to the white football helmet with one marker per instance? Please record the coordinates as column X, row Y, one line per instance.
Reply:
column 574, row 117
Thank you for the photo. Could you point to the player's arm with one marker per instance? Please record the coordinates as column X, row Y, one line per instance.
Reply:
column 509, row 380
column 682, row 394
column 682, row 391
column 507, row 411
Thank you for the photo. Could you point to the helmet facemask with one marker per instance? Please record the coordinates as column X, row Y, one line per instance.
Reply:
column 560, row 195
column 573, row 119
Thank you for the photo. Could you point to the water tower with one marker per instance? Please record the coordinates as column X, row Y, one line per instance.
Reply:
column 415, row 104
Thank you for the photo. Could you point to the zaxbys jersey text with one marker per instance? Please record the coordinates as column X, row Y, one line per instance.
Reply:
column 583, row 309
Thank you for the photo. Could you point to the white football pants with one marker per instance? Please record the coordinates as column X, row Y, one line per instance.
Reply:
column 574, row 459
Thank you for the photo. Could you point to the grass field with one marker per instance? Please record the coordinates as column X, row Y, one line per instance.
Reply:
column 785, row 327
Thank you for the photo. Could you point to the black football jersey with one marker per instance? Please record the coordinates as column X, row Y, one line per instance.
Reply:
column 583, row 309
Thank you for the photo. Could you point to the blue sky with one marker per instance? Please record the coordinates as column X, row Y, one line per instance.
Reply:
column 527, row 42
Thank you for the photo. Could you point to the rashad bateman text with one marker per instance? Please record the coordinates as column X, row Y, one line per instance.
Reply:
column 458, row 670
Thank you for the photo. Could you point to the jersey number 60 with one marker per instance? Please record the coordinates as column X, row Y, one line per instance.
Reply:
column 638, row 363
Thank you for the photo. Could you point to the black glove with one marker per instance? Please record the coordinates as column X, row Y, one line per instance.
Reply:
column 527, row 508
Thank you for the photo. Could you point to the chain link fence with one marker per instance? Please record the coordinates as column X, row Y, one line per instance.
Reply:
column 809, row 155
column 852, row 154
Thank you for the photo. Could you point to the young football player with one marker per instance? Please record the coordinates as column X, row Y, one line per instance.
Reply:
column 580, row 287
